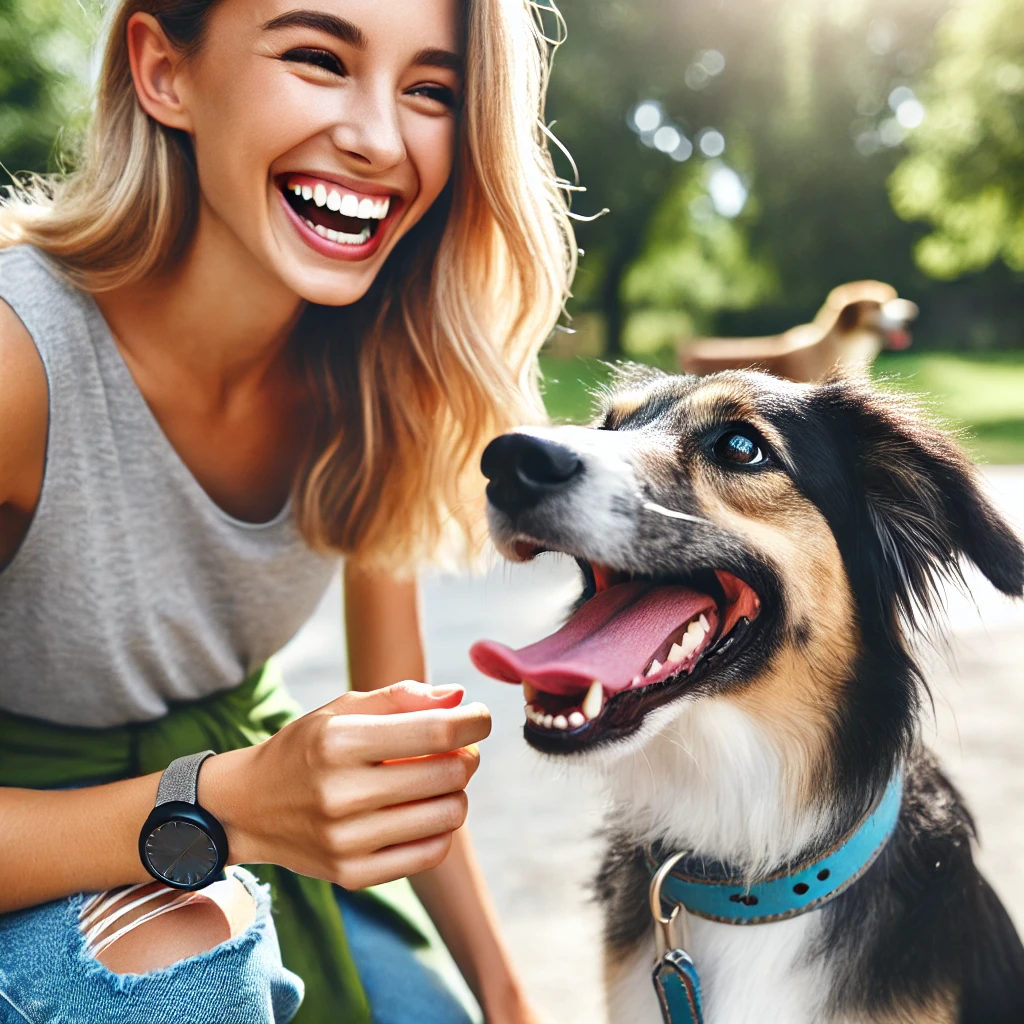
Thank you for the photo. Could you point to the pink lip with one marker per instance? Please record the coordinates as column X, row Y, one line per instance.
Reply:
column 338, row 250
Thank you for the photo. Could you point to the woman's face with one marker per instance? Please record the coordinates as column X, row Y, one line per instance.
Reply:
column 324, row 130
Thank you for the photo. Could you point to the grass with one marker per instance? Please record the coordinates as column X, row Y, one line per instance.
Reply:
column 983, row 393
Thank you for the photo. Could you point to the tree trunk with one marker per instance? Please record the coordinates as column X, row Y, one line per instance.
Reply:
column 611, row 305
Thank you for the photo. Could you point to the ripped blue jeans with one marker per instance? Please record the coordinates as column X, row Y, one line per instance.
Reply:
column 48, row 977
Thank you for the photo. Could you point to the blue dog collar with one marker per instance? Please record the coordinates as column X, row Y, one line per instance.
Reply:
column 788, row 894
column 794, row 891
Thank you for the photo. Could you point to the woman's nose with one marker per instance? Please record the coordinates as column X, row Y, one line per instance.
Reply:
column 370, row 131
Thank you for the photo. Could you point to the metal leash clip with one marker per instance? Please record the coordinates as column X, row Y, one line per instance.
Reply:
column 675, row 976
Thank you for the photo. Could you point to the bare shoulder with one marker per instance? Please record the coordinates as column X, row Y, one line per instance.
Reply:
column 24, row 414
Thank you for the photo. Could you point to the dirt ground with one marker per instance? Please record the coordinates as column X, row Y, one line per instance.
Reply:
column 534, row 822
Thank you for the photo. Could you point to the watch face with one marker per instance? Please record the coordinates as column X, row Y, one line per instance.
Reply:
column 181, row 852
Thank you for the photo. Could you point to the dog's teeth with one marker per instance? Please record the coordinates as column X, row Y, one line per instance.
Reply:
column 691, row 641
column 696, row 629
column 637, row 680
column 561, row 722
column 529, row 692
column 676, row 654
column 655, row 667
column 594, row 700
column 547, row 720
column 704, row 622
column 576, row 719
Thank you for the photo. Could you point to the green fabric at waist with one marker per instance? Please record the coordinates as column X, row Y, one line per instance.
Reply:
column 39, row 755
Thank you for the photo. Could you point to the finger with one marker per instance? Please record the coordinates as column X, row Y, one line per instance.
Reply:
column 394, row 862
column 420, row 778
column 399, row 698
column 375, row 738
column 404, row 823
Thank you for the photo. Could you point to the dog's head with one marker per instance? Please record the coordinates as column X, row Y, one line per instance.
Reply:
column 742, row 538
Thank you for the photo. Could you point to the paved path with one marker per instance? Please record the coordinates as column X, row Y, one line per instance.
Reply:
column 534, row 822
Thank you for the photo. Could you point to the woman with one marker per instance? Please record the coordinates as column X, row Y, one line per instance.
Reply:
column 298, row 279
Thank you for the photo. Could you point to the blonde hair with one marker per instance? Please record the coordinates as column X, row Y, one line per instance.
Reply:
column 448, row 335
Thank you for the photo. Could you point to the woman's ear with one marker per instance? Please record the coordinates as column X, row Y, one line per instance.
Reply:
column 923, row 495
column 156, row 66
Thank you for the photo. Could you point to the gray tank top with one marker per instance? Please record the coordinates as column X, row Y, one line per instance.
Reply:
column 132, row 589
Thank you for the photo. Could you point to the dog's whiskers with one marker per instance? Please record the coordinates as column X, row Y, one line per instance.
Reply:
column 670, row 513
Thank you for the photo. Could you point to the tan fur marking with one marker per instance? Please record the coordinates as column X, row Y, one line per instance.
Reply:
column 624, row 405
column 941, row 1009
column 796, row 696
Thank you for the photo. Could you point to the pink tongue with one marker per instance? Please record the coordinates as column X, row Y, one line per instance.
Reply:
column 613, row 637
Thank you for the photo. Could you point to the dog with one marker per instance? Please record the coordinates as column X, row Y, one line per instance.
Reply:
column 857, row 321
column 757, row 558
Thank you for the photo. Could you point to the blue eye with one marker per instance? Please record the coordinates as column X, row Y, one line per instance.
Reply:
column 739, row 449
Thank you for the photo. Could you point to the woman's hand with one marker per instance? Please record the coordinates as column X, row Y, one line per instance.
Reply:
column 366, row 789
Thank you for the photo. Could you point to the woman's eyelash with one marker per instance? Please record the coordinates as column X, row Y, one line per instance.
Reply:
column 440, row 93
column 318, row 58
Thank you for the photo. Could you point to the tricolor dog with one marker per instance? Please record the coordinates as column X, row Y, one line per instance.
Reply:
column 757, row 556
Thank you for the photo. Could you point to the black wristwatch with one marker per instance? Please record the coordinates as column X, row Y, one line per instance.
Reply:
column 182, row 844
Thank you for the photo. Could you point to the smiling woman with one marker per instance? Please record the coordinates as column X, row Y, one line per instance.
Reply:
column 297, row 280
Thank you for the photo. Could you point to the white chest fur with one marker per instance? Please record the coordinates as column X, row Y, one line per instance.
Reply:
column 708, row 778
column 749, row 974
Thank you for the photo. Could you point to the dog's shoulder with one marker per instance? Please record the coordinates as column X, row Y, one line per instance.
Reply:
column 993, row 991
column 621, row 889
column 923, row 916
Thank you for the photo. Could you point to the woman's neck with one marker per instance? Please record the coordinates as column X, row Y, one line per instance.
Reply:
column 217, row 315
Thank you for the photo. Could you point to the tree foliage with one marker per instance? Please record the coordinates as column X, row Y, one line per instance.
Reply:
column 965, row 171
column 44, row 71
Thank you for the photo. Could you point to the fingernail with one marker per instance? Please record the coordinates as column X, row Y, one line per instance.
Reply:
column 447, row 690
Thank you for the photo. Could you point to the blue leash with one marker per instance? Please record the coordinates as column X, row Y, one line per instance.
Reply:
column 728, row 901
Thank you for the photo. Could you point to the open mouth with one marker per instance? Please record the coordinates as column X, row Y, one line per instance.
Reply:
column 340, row 217
column 631, row 646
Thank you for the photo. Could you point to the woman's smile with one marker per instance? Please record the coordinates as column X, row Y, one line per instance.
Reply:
column 335, row 218
column 323, row 135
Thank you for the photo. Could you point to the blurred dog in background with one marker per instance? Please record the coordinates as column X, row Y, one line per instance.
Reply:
column 857, row 321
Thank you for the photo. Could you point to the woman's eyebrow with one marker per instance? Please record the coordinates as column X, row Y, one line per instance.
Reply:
column 320, row 21
column 435, row 58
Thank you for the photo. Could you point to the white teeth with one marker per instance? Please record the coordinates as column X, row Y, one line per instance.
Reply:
column 637, row 680
column 349, row 206
column 297, row 189
column 676, row 654
column 334, row 201
column 320, row 230
column 704, row 623
column 561, row 722
column 690, row 643
column 576, row 719
column 546, row 721
column 365, row 209
column 655, row 667
column 320, row 195
column 307, row 192
column 695, row 628
column 332, row 234
column 380, row 210
column 594, row 700
column 309, row 223
column 529, row 692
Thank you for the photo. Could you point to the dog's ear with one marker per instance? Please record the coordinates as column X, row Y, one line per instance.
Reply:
column 921, row 496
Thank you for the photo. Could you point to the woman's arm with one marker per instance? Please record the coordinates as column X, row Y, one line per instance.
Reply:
column 357, row 811
column 385, row 643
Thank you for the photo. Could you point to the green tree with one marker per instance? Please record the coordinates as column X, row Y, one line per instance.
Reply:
column 965, row 172
column 803, row 104
column 44, row 72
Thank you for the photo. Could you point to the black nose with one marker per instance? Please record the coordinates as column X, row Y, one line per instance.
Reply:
column 522, row 469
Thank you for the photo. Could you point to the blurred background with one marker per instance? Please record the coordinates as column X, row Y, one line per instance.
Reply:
column 752, row 155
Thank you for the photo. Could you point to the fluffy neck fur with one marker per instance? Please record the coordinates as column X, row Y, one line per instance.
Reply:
column 713, row 782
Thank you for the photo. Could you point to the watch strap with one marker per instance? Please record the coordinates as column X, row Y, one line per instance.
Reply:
column 180, row 779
